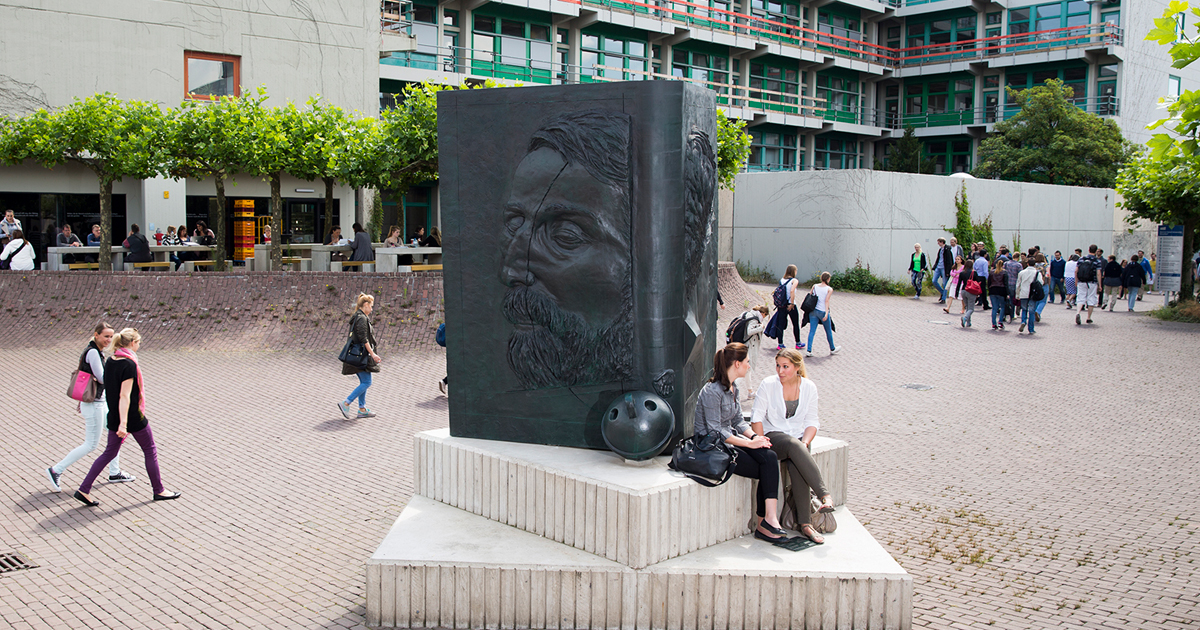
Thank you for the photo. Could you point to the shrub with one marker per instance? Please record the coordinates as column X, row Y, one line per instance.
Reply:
column 859, row 279
column 1178, row 311
column 754, row 274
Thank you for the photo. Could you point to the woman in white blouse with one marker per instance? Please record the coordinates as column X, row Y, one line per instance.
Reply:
column 785, row 410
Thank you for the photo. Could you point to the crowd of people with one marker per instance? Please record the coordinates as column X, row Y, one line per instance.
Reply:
column 1014, row 285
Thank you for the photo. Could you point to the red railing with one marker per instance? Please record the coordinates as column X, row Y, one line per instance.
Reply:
column 804, row 37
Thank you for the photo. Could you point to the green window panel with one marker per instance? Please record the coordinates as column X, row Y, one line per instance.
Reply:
column 705, row 65
column 772, row 150
column 842, row 94
column 939, row 101
column 836, row 152
column 511, row 48
column 952, row 155
column 1047, row 17
column 614, row 51
column 780, row 14
column 1106, row 90
column 1074, row 76
column 940, row 36
column 840, row 21
column 776, row 76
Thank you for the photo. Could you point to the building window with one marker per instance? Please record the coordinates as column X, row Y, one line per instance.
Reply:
column 771, row 151
column 938, row 35
column 208, row 77
column 511, row 49
column 949, row 156
column 775, row 78
column 942, row 101
column 835, row 153
column 841, row 94
column 1106, row 90
column 616, row 54
column 1174, row 86
column 700, row 66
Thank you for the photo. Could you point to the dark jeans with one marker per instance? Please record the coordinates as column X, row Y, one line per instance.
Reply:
column 761, row 464
column 145, row 439
column 982, row 300
column 1061, row 285
column 794, row 315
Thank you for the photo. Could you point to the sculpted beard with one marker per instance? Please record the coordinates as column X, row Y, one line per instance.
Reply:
column 561, row 349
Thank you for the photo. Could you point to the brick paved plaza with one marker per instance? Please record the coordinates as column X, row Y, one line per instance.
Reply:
column 1045, row 481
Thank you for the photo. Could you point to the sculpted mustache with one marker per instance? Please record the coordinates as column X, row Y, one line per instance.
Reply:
column 523, row 305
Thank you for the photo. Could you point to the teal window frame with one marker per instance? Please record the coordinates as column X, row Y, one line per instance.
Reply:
column 943, row 32
column 840, row 22
column 776, row 76
column 605, row 48
column 1025, row 77
column 707, row 64
column 1049, row 16
column 492, row 50
column 773, row 149
column 834, row 151
column 941, row 100
column 841, row 102
column 949, row 155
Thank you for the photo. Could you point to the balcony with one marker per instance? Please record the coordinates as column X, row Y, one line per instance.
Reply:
column 978, row 116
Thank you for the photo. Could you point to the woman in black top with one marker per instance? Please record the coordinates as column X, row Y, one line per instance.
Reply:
column 998, row 293
column 1133, row 279
column 1112, row 283
column 362, row 331
column 126, row 416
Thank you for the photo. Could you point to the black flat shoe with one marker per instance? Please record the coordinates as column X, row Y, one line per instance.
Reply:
column 167, row 497
column 770, row 528
column 775, row 541
column 84, row 500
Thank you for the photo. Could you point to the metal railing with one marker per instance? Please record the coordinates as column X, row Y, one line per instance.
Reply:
column 1099, row 105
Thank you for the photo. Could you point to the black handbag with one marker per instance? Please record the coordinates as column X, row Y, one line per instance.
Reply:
column 704, row 457
column 810, row 303
column 353, row 353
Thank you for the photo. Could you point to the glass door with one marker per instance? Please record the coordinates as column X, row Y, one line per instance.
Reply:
column 300, row 222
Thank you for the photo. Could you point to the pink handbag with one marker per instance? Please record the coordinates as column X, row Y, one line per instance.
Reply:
column 82, row 387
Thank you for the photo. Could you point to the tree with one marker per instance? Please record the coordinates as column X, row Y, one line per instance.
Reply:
column 733, row 149
column 1051, row 141
column 272, row 135
column 965, row 229
column 908, row 155
column 1165, row 189
column 209, row 140
column 114, row 139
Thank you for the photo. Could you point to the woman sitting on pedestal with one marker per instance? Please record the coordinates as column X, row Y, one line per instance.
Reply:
column 785, row 410
column 718, row 410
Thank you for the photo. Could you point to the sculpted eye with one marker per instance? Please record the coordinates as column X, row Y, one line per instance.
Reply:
column 513, row 221
column 568, row 235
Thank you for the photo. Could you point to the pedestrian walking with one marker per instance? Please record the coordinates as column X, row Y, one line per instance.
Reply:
column 125, row 393
column 1112, row 283
column 94, row 413
column 967, row 276
column 1133, row 279
column 362, row 332
column 998, row 294
column 1153, row 272
column 820, row 314
column 1012, row 268
column 917, row 266
column 1039, row 261
column 1030, row 282
column 943, row 265
column 789, row 309
column 953, row 291
column 1058, row 268
column 1069, row 281
column 1089, row 274
column 981, row 272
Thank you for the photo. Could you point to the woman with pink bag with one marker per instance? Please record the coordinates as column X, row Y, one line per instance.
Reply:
column 91, row 364
column 125, row 392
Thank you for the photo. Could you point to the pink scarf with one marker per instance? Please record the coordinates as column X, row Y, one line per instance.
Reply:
column 129, row 354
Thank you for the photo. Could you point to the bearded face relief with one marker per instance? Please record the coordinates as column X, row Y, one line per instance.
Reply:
column 566, row 252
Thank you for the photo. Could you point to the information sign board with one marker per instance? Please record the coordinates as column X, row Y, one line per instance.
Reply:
column 1170, row 258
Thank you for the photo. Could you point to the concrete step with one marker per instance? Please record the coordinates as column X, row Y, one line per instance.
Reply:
column 593, row 500
column 443, row 567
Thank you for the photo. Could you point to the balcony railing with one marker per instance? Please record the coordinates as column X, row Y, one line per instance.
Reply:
column 1099, row 105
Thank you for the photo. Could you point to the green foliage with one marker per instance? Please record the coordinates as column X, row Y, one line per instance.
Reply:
column 909, row 155
column 375, row 223
column 1178, row 311
column 965, row 229
column 114, row 139
column 733, row 149
column 754, row 274
column 1165, row 189
column 1183, row 121
column 859, row 279
column 1051, row 141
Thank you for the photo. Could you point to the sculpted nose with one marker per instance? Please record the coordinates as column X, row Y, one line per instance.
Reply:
column 515, row 270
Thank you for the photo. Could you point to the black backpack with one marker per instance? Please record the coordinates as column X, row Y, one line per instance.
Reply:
column 736, row 332
column 780, row 296
column 1037, row 292
column 1086, row 270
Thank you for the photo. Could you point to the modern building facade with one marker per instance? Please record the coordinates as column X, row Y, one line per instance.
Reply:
column 168, row 52
column 822, row 85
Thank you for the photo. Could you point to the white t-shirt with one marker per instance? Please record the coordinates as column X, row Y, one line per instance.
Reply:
column 822, row 293
column 1069, row 269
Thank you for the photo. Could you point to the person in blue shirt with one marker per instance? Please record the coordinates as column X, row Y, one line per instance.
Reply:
column 981, row 274
column 1147, row 268
column 1058, row 274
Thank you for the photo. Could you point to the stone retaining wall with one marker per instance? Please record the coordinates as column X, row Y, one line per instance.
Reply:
column 208, row 310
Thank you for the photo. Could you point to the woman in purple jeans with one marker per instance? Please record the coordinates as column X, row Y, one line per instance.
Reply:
column 124, row 390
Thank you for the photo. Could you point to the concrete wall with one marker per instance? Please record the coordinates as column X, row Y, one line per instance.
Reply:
column 826, row 220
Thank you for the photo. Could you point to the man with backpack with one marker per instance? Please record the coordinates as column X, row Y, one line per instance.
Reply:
column 786, row 308
column 1089, row 273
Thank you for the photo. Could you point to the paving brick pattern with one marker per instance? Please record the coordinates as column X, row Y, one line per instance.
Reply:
column 1045, row 481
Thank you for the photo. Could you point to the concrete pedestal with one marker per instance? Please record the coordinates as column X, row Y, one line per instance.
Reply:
column 506, row 535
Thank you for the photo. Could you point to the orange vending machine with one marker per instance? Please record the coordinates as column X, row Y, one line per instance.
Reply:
column 243, row 229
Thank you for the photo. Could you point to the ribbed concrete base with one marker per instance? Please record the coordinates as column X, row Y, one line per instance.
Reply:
column 444, row 567
column 636, row 515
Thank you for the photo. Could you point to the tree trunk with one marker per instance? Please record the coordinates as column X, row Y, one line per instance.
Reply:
column 219, row 222
column 1186, row 286
column 276, row 223
column 106, row 224
column 329, row 181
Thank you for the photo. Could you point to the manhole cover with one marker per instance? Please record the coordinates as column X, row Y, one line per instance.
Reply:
column 14, row 562
column 917, row 386
column 938, row 322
